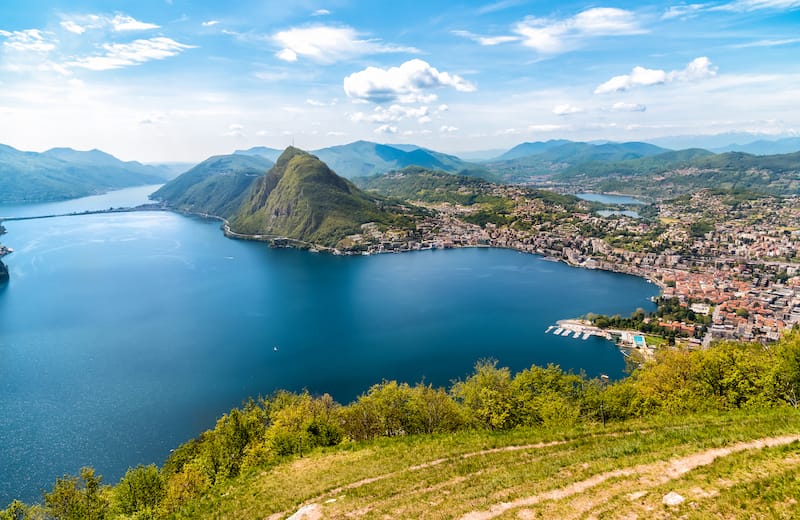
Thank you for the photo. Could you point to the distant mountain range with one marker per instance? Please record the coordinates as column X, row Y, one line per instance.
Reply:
column 64, row 173
column 364, row 158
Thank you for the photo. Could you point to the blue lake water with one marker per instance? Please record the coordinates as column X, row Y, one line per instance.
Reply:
column 124, row 335
column 606, row 198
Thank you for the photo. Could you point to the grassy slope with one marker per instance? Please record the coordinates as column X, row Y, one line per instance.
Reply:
column 623, row 469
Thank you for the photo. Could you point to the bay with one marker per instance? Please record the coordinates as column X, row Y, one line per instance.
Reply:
column 124, row 335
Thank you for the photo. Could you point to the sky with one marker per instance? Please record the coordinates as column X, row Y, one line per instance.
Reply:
column 180, row 80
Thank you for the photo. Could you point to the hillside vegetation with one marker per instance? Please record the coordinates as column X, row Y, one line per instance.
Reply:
column 216, row 186
column 712, row 432
column 63, row 173
column 301, row 198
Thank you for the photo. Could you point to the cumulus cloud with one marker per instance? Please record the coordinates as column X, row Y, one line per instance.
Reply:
column 386, row 130
column 28, row 40
column 628, row 107
column 445, row 129
column 118, row 55
column 234, row 130
column 210, row 23
column 327, row 44
column 566, row 109
column 411, row 82
column 548, row 36
column 697, row 69
column 73, row 27
column 321, row 12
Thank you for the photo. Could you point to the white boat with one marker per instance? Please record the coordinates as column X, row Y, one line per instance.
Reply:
column 577, row 334
column 566, row 333
column 551, row 327
column 586, row 335
column 558, row 331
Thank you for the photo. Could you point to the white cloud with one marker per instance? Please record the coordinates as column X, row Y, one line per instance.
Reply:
column 393, row 114
column 123, row 22
column 210, row 23
column 566, row 109
column 78, row 24
column 755, row 5
column 326, row 44
column 697, row 69
column 29, row 40
column 548, row 36
column 487, row 40
column 445, row 129
column 318, row 103
column 321, row 12
column 683, row 11
column 234, row 130
column 628, row 107
column 287, row 55
column 73, row 27
column 118, row 55
column 545, row 128
column 767, row 43
column 386, row 129
column 408, row 83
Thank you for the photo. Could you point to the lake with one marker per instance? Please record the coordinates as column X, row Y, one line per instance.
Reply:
column 607, row 198
column 124, row 335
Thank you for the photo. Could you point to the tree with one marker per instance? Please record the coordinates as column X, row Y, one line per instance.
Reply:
column 77, row 498
column 141, row 488
column 487, row 395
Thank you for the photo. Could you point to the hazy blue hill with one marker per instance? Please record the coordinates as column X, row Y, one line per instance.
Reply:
column 524, row 149
column 216, row 186
column 364, row 158
column 63, row 173
column 270, row 153
column 302, row 198
column 764, row 147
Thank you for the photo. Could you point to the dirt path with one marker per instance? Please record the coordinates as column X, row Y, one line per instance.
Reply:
column 649, row 475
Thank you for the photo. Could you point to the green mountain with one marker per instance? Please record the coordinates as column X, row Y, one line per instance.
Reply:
column 63, row 173
column 735, row 171
column 303, row 199
column 638, row 166
column 550, row 160
column 525, row 149
column 216, row 186
column 363, row 158
column 422, row 184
